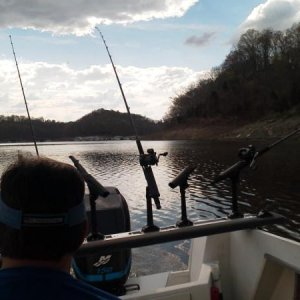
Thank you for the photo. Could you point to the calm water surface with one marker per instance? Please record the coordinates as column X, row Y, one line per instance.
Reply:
column 275, row 184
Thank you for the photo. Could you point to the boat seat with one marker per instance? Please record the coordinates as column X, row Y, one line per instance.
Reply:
column 278, row 281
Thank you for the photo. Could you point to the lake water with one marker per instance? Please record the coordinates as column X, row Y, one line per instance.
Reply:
column 275, row 184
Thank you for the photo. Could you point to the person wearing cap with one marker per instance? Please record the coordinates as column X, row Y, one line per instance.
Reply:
column 42, row 224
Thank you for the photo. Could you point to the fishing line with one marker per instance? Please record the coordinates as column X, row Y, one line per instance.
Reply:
column 24, row 97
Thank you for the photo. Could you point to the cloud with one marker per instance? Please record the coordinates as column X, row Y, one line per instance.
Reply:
column 276, row 14
column 200, row 41
column 61, row 93
column 80, row 17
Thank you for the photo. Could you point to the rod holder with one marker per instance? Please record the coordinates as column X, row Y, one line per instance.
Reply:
column 236, row 213
column 150, row 227
column 94, row 235
column 184, row 221
column 248, row 156
column 181, row 181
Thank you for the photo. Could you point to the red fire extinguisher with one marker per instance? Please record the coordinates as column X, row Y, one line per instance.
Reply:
column 215, row 290
column 215, row 293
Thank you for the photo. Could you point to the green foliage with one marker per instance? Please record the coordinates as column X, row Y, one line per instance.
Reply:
column 259, row 76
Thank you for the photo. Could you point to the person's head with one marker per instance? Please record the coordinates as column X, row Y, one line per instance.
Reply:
column 42, row 214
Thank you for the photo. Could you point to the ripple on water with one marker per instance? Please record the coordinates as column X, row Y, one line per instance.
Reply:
column 117, row 164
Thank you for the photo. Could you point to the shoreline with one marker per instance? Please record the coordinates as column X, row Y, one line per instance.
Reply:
column 226, row 129
column 219, row 129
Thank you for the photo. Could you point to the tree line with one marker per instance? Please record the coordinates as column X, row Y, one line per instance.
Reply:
column 101, row 123
column 259, row 76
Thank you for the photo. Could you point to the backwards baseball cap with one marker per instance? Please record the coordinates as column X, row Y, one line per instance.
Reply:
column 17, row 219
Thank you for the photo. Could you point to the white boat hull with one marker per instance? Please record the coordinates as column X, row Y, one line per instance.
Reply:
column 244, row 265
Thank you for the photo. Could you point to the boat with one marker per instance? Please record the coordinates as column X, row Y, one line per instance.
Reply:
column 241, row 263
column 246, row 264
column 232, row 257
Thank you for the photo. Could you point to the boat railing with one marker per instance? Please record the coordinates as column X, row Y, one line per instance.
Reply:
column 135, row 239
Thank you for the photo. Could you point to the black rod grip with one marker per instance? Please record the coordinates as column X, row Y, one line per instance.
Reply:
column 231, row 171
column 182, row 177
column 152, row 186
column 94, row 186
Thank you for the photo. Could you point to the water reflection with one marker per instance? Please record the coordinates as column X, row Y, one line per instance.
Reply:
column 275, row 184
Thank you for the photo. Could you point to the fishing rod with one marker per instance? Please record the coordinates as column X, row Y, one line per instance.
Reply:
column 96, row 189
column 24, row 97
column 269, row 147
column 146, row 159
column 248, row 156
column 122, row 92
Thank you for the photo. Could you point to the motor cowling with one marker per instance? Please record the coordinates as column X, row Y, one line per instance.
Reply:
column 110, row 270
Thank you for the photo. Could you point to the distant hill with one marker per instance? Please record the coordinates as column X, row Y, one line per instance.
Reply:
column 111, row 123
column 99, row 123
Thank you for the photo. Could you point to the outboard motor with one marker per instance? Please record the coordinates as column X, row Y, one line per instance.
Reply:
column 107, row 213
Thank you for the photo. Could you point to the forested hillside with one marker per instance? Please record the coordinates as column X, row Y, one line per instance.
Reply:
column 102, row 123
column 261, row 75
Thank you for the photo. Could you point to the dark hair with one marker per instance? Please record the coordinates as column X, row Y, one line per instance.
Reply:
column 41, row 186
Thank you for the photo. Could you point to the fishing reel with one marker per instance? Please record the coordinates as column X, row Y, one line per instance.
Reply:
column 150, row 159
column 247, row 153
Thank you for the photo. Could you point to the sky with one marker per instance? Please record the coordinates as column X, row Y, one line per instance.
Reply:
column 160, row 49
